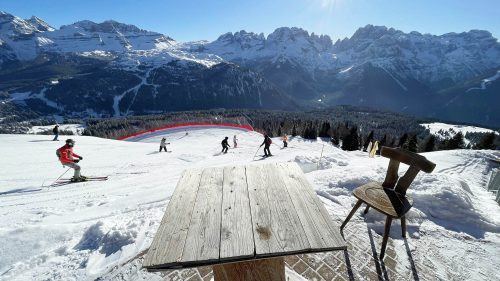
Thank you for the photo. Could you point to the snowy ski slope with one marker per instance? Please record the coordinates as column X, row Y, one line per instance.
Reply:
column 93, row 230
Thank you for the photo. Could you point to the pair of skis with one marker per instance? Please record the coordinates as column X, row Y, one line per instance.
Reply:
column 69, row 181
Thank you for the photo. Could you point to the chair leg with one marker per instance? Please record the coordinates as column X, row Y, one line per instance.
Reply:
column 366, row 209
column 403, row 226
column 356, row 206
column 387, row 229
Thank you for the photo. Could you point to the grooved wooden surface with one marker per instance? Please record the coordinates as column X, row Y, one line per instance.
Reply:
column 241, row 213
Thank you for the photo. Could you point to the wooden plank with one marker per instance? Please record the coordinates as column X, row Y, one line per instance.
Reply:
column 391, row 178
column 319, row 229
column 272, row 269
column 409, row 158
column 168, row 244
column 405, row 181
column 203, row 239
column 276, row 226
column 236, row 228
column 333, row 227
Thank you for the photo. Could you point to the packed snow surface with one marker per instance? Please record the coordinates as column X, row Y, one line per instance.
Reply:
column 96, row 230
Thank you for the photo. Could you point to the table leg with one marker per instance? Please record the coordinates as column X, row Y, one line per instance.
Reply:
column 272, row 269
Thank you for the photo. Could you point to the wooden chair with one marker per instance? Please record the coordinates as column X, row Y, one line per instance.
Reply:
column 390, row 197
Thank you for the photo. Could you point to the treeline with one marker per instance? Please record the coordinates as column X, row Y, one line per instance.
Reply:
column 350, row 128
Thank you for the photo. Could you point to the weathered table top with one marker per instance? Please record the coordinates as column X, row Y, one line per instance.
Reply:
column 240, row 213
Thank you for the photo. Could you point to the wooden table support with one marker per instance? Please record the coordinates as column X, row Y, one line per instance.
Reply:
column 272, row 269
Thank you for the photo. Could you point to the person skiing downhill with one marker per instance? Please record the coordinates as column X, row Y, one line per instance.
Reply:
column 56, row 132
column 225, row 145
column 163, row 144
column 267, row 143
column 67, row 158
column 235, row 141
column 285, row 141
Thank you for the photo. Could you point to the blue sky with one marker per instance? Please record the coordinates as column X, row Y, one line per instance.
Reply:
column 197, row 19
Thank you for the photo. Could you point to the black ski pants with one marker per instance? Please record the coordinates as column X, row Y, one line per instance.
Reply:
column 267, row 152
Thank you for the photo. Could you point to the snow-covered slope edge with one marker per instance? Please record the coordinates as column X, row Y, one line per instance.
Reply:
column 443, row 130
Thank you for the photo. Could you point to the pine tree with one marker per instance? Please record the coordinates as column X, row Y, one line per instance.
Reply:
column 412, row 143
column 324, row 131
column 383, row 141
column 346, row 142
column 335, row 140
column 458, row 141
column 294, row 131
column 487, row 141
column 429, row 143
column 355, row 139
column 351, row 141
column 403, row 141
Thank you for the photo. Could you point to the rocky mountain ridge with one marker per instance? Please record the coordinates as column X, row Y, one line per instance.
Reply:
column 422, row 74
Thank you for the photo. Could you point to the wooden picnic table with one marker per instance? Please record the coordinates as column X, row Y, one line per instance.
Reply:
column 242, row 220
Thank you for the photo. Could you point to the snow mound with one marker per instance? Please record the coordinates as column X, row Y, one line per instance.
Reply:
column 449, row 202
column 309, row 163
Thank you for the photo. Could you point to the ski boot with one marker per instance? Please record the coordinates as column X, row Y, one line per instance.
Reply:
column 79, row 179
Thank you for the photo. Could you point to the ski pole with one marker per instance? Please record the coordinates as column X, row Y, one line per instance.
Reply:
column 256, row 152
column 61, row 176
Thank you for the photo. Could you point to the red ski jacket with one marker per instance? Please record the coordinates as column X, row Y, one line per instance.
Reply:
column 66, row 154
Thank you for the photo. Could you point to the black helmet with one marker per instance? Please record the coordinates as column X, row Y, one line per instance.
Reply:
column 70, row 142
column 226, row 137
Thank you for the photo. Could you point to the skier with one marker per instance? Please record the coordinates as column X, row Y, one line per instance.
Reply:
column 267, row 143
column 225, row 145
column 56, row 132
column 67, row 158
column 285, row 141
column 235, row 141
column 163, row 144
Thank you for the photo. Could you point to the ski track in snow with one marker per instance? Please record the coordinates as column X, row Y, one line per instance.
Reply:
column 100, row 229
column 395, row 79
column 135, row 89
column 485, row 82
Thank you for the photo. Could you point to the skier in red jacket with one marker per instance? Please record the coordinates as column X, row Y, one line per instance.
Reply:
column 67, row 158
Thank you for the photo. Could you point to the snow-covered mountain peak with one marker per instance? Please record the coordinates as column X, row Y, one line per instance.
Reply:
column 296, row 35
column 13, row 26
column 373, row 32
column 283, row 44
column 109, row 26
column 242, row 39
column 40, row 24
column 287, row 33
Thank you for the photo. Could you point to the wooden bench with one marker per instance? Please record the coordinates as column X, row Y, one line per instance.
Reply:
column 242, row 220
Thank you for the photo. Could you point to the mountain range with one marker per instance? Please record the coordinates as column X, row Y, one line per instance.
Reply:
column 114, row 69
